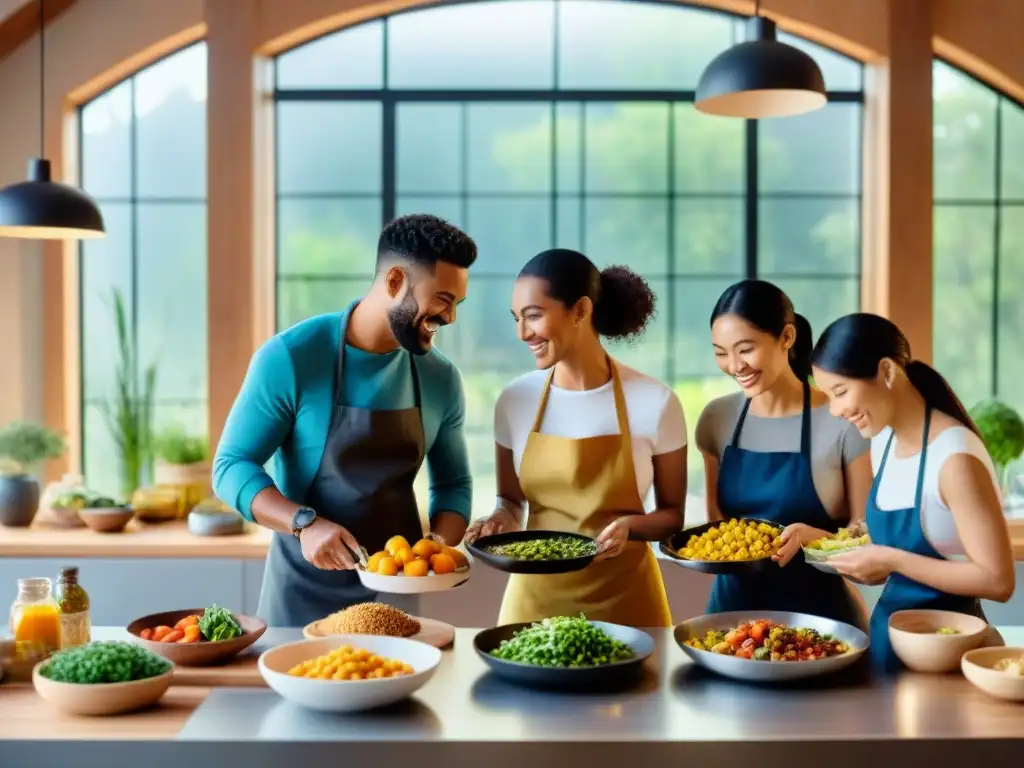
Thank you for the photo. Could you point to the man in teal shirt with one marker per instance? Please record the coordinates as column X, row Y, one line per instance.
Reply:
column 348, row 405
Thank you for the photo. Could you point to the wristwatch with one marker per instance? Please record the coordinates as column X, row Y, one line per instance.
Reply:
column 303, row 518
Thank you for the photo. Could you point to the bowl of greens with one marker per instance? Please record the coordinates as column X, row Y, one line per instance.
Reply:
column 100, row 513
column 102, row 678
column 536, row 552
column 197, row 636
column 567, row 653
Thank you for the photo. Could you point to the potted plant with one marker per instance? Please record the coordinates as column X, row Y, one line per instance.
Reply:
column 1002, row 431
column 183, row 461
column 23, row 446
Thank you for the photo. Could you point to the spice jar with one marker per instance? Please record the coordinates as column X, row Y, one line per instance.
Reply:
column 73, row 601
column 35, row 618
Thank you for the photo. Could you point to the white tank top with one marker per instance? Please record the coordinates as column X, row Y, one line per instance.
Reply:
column 898, row 485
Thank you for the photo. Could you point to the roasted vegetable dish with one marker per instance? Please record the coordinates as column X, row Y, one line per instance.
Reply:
column 215, row 623
column 427, row 556
column 765, row 640
column 563, row 641
column 843, row 540
column 545, row 548
column 735, row 540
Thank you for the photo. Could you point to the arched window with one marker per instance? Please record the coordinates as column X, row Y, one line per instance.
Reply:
column 541, row 123
column 979, row 238
column 143, row 157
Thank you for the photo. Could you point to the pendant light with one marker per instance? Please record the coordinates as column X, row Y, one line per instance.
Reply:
column 761, row 78
column 41, row 208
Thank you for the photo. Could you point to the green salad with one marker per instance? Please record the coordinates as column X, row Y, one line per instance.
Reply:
column 545, row 548
column 218, row 624
column 563, row 641
column 104, row 662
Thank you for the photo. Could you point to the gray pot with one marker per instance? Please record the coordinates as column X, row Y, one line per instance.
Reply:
column 19, row 500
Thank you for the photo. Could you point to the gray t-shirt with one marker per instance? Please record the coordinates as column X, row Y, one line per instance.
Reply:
column 834, row 443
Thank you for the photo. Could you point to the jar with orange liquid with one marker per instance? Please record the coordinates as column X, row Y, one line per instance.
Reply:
column 35, row 618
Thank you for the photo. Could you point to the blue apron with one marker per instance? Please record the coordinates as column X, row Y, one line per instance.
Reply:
column 778, row 487
column 901, row 529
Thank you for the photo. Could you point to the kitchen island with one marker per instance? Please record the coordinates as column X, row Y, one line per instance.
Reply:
column 466, row 717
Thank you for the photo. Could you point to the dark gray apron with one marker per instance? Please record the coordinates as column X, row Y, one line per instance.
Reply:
column 364, row 483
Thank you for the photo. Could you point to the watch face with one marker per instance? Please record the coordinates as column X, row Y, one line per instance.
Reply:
column 304, row 516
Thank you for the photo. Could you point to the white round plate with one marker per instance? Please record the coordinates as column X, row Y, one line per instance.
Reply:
column 413, row 585
column 432, row 632
column 770, row 671
column 823, row 566
column 348, row 695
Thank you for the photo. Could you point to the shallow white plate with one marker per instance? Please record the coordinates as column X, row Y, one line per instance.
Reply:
column 348, row 695
column 413, row 585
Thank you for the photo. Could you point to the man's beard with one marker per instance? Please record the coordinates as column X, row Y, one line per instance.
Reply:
column 404, row 326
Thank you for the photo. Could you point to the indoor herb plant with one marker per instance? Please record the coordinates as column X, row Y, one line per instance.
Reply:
column 183, row 461
column 1002, row 431
column 129, row 411
column 23, row 446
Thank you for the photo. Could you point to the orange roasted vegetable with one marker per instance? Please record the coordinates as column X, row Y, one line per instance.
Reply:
column 146, row 634
column 159, row 633
column 173, row 637
column 192, row 634
column 188, row 621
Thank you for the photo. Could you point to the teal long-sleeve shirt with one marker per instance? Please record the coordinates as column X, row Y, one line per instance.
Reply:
column 283, row 412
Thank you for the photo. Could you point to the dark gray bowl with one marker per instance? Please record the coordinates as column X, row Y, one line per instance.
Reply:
column 514, row 565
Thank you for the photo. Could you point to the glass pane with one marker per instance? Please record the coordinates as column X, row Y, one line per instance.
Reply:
column 964, row 136
column 429, row 148
column 962, row 320
column 1011, row 308
column 610, row 45
column 106, row 265
column 328, row 147
column 710, row 235
column 508, row 232
column 815, row 152
column 328, row 236
column 694, row 298
column 301, row 297
column 569, row 234
column 808, row 236
column 628, row 230
column 473, row 45
column 509, row 147
column 190, row 416
column 107, row 143
column 840, row 73
column 651, row 352
column 569, row 146
column 348, row 58
column 170, row 113
column 171, row 310
column 101, row 460
column 626, row 147
column 1012, row 151
column 449, row 208
column 709, row 152
column 820, row 301
column 695, row 394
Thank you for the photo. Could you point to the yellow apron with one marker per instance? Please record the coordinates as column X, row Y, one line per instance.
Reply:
column 580, row 486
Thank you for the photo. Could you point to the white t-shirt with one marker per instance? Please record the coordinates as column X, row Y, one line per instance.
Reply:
column 898, row 485
column 656, row 421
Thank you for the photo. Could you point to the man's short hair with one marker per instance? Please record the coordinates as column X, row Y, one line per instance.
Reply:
column 424, row 240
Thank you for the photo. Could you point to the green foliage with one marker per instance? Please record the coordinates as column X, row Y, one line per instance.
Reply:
column 1002, row 430
column 176, row 446
column 129, row 410
column 24, row 444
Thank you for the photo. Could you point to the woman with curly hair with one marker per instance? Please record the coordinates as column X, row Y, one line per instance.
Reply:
column 587, row 445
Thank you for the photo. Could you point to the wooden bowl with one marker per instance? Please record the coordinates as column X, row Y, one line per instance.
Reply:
column 200, row 654
column 106, row 519
column 977, row 666
column 101, row 698
column 916, row 642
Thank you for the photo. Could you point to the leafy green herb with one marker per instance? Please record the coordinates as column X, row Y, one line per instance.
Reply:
column 545, row 548
column 1002, row 431
column 104, row 662
column 176, row 446
column 218, row 624
column 563, row 641
column 24, row 444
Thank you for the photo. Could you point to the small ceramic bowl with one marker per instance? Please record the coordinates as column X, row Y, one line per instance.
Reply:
column 978, row 667
column 106, row 519
column 204, row 652
column 917, row 642
column 215, row 523
column 101, row 698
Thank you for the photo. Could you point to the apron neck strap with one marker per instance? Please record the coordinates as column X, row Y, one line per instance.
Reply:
column 805, row 422
column 621, row 413
column 919, row 491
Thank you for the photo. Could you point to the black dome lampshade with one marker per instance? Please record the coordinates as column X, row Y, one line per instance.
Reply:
column 761, row 78
column 47, row 210
column 40, row 208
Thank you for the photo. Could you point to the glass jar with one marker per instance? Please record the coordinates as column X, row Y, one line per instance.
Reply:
column 73, row 601
column 35, row 618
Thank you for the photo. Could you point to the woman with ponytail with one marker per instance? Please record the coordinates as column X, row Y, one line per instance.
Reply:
column 774, row 452
column 588, row 445
column 939, row 539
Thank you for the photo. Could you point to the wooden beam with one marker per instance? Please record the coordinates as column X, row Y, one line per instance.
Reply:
column 22, row 25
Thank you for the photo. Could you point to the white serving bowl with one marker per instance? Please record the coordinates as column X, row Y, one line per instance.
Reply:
column 977, row 666
column 348, row 695
column 914, row 639
column 413, row 585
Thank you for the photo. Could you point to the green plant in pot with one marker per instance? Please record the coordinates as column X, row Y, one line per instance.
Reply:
column 23, row 446
column 183, row 461
column 1002, row 431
